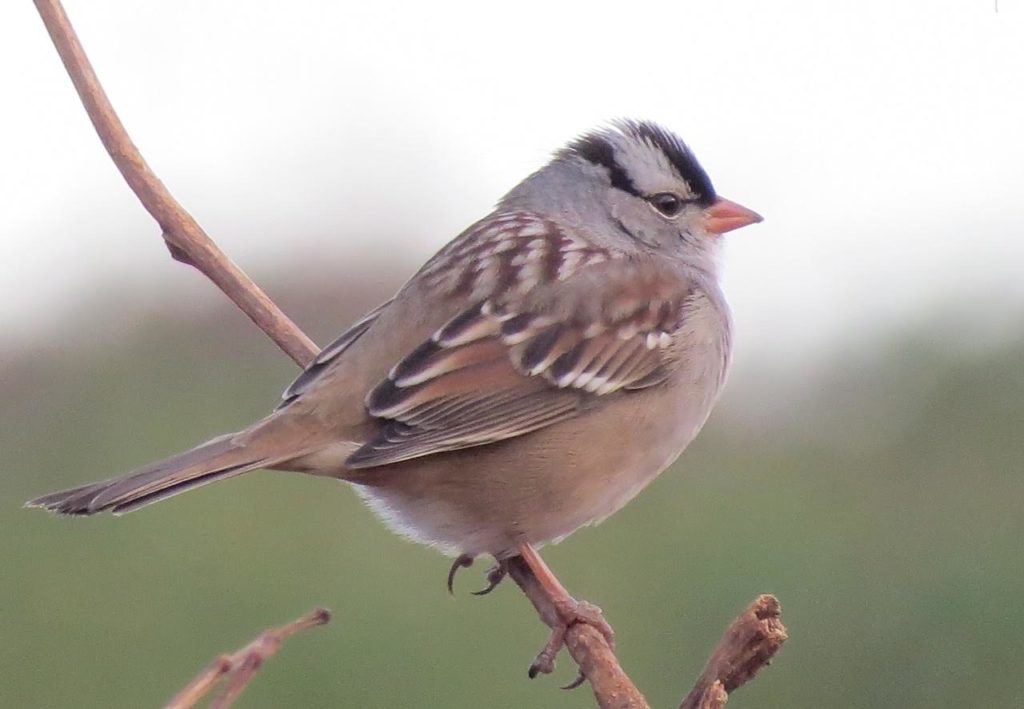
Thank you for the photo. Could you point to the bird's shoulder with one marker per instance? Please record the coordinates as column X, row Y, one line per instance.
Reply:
column 510, row 252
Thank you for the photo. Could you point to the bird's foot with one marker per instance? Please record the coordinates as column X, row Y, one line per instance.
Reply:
column 570, row 612
column 567, row 613
column 495, row 575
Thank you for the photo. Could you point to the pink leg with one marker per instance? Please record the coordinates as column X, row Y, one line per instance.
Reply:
column 570, row 611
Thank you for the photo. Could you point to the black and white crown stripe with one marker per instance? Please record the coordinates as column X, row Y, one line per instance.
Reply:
column 599, row 148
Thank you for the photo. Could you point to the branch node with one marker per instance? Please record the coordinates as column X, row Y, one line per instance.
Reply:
column 177, row 253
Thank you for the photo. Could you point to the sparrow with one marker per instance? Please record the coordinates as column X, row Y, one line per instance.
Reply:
column 530, row 379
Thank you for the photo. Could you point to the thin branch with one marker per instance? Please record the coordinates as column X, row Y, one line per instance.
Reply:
column 238, row 668
column 188, row 243
column 185, row 239
column 747, row 645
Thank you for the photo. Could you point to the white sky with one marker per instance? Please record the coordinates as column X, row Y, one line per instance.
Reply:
column 883, row 141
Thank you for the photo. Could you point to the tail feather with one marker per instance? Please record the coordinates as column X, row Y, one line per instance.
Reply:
column 220, row 458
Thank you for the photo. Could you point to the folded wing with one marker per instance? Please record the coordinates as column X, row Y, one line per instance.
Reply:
column 511, row 365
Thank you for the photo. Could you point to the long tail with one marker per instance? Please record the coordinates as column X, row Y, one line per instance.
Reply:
column 223, row 457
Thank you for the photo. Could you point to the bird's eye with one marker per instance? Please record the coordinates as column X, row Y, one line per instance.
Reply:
column 667, row 204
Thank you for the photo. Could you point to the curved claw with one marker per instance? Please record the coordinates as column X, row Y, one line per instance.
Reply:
column 462, row 562
column 580, row 679
column 495, row 575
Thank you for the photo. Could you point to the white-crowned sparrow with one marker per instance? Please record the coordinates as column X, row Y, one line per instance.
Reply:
column 531, row 378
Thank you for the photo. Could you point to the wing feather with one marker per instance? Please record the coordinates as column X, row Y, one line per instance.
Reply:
column 556, row 325
column 508, row 366
column 328, row 355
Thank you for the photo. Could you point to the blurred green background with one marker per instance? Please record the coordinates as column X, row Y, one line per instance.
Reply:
column 864, row 464
column 878, row 495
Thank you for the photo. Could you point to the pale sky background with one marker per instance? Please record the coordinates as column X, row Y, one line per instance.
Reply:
column 883, row 141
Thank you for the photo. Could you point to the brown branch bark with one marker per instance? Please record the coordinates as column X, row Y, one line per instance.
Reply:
column 747, row 645
column 189, row 244
column 238, row 668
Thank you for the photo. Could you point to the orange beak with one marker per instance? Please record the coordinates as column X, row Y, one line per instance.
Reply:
column 725, row 215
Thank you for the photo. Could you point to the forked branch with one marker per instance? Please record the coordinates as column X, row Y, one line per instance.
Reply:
column 731, row 665
column 238, row 668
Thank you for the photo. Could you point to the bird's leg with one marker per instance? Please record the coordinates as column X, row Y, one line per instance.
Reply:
column 569, row 612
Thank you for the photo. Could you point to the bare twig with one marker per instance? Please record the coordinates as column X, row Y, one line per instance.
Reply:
column 240, row 667
column 188, row 243
column 747, row 646
column 185, row 239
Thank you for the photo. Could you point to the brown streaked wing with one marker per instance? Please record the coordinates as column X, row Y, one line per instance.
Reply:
column 506, row 367
column 506, row 252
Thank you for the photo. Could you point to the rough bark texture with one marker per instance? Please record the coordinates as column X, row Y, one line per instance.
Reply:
column 747, row 646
